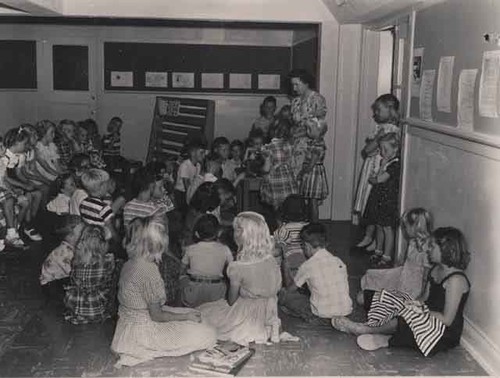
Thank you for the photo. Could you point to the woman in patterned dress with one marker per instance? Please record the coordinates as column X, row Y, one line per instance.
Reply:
column 146, row 328
column 279, row 182
column 309, row 126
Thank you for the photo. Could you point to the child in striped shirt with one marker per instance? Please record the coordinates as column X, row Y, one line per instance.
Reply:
column 143, row 204
column 93, row 209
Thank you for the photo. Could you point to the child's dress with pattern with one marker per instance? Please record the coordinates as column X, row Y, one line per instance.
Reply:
column 382, row 206
column 408, row 278
column 87, row 295
column 280, row 182
column 371, row 166
column 314, row 183
column 312, row 108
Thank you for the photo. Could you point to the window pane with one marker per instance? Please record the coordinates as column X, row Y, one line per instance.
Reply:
column 71, row 68
column 18, row 64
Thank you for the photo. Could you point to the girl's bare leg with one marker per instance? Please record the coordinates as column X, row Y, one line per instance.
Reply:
column 346, row 325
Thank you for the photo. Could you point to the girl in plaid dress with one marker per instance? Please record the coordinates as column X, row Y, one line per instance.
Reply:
column 88, row 294
column 279, row 182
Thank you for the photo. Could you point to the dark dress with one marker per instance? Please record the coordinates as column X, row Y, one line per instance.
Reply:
column 436, row 301
column 382, row 207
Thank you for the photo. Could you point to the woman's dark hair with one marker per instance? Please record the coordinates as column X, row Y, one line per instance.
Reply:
column 206, row 228
column 294, row 209
column 256, row 133
column 314, row 234
column 304, row 76
column 453, row 247
column 15, row 135
column 205, row 198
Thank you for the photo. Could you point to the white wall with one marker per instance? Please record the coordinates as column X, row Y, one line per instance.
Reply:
column 458, row 181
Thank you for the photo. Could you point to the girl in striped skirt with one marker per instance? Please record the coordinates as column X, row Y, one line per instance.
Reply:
column 433, row 325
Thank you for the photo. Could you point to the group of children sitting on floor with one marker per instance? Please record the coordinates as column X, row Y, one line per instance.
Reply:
column 185, row 244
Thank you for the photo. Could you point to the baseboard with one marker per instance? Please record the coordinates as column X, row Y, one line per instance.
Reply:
column 484, row 351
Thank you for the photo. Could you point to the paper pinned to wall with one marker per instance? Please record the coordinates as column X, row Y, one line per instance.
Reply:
column 269, row 82
column 445, row 79
column 426, row 90
column 183, row 79
column 416, row 78
column 212, row 80
column 465, row 103
column 156, row 79
column 240, row 81
column 488, row 86
column 122, row 79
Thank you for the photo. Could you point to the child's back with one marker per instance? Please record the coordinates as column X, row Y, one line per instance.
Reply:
column 204, row 263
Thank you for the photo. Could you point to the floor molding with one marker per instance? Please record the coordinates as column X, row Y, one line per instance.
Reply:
column 485, row 352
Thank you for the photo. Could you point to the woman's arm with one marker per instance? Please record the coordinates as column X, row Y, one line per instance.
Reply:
column 455, row 287
column 161, row 316
column 234, row 292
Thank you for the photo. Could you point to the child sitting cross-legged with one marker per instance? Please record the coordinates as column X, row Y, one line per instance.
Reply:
column 204, row 263
column 326, row 278
column 91, row 279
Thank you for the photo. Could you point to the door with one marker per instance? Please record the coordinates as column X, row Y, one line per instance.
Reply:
column 70, row 78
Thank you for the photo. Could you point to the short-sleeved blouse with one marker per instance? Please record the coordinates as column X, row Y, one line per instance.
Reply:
column 313, row 106
column 140, row 285
column 260, row 279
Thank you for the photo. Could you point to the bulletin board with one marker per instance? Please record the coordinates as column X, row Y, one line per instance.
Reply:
column 196, row 68
column 457, row 28
column 176, row 120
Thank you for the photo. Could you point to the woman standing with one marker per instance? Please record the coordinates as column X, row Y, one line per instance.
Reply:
column 309, row 126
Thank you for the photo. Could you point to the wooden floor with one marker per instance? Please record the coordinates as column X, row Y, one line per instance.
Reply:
column 35, row 341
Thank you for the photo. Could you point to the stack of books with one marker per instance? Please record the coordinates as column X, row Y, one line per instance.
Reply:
column 226, row 358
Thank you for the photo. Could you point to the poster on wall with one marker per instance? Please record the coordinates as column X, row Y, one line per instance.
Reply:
column 156, row 79
column 122, row 79
column 416, row 78
column 183, row 79
column 426, row 89
column 212, row 80
column 272, row 82
column 465, row 103
column 488, row 86
column 240, row 81
column 445, row 79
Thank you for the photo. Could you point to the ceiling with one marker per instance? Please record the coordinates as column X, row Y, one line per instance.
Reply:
column 369, row 11
column 344, row 11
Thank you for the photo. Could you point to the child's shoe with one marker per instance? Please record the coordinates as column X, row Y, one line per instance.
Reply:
column 12, row 238
column 32, row 234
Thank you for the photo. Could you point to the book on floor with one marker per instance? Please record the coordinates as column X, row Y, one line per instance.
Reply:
column 225, row 358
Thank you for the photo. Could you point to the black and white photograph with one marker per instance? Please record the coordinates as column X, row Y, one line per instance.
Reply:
column 252, row 188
